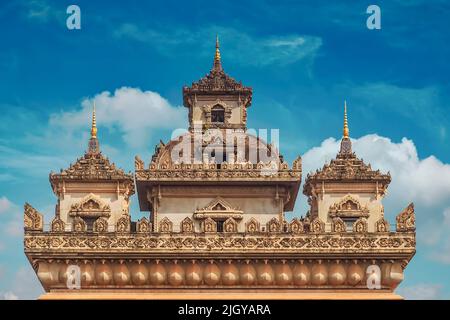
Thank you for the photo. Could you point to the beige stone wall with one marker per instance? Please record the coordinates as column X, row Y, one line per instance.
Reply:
column 105, row 192
column 198, row 114
column 176, row 209
column 374, row 205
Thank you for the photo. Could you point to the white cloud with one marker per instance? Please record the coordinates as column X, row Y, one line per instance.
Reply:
column 26, row 284
column 133, row 111
column 421, row 292
column 258, row 51
column 5, row 204
column 8, row 296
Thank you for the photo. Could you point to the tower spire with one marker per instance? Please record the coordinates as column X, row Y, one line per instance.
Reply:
column 346, row 131
column 217, row 62
column 94, row 123
column 346, row 144
column 94, row 146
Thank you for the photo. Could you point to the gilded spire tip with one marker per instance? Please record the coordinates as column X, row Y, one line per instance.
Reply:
column 217, row 63
column 346, row 130
column 94, row 123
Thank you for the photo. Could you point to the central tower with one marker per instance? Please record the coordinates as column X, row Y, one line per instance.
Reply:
column 217, row 100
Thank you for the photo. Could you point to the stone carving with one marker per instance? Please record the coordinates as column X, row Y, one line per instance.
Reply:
column 346, row 167
column 58, row 225
column 360, row 225
column 297, row 164
column 252, row 225
column 100, row 225
column 92, row 166
column 143, row 225
column 348, row 206
column 139, row 242
column 274, row 225
column 209, row 225
column 91, row 206
column 187, row 225
column 33, row 220
column 230, row 225
column 338, row 225
column 317, row 226
column 406, row 220
column 218, row 208
column 382, row 225
column 138, row 163
column 165, row 225
column 123, row 224
column 78, row 225
column 296, row 226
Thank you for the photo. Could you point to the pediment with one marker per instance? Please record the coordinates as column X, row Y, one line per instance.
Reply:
column 348, row 206
column 90, row 206
column 218, row 208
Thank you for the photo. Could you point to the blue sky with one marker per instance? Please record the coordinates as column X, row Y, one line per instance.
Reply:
column 302, row 60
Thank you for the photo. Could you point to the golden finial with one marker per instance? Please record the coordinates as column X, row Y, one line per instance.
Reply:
column 94, row 123
column 217, row 63
column 346, row 131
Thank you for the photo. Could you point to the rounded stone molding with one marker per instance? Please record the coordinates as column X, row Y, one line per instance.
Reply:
column 175, row 274
column 265, row 273
column 87, row 274
column 48, row 273
column 139, row 273
column 355, row 274
column 230, row 274
column 283, row 274
column 193, row 273
column 247, row 274
column 337, row 274
column 319, row 274
column 103, row 274
column 211, row 274
column 157, row 273
column 121, row 274
column 301, row 274
column 396, row 275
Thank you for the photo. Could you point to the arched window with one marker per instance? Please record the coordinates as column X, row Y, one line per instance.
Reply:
column 218, row 114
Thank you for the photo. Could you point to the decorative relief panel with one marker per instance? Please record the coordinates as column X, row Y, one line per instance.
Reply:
column 209, row 225
column 123, row 224
column 317, row 226
column 406, row 220
column 230, row 225
column 58, row 225
column 338, row 225
column 187, row 225
column 100, row 225
column 252, row 226
column 296, row 226
column 78, row 225
column 143, row 225
column 33, row 220
column 165, row 225
column 360, row 225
